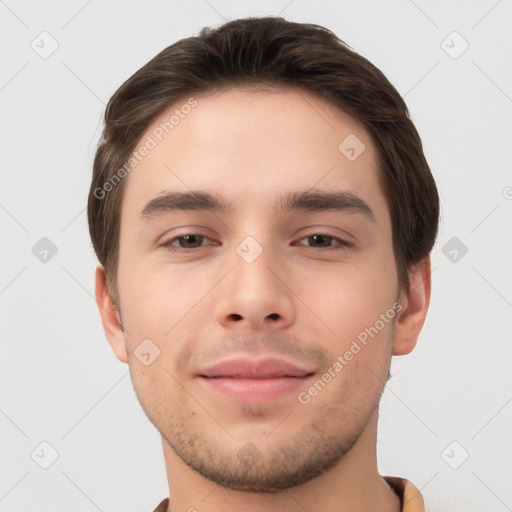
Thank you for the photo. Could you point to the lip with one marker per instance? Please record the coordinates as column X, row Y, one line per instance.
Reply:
column 251, row 381
column 244, row 368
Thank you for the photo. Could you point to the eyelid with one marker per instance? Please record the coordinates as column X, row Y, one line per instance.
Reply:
column 173, row 248
column 342, row 243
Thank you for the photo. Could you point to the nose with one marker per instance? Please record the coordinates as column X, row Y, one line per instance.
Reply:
column 255, row 296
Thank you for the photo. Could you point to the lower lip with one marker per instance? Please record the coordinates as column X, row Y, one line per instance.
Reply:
column 254, row 390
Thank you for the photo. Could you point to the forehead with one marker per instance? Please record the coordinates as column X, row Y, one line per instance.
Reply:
column 253, row 146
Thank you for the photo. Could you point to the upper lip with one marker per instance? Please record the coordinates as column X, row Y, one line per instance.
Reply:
column 244, row 368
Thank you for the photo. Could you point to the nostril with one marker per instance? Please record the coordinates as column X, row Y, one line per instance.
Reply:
column 274, row 316
column 235, row 316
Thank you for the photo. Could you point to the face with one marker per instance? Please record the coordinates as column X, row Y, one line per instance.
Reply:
column 292, row 285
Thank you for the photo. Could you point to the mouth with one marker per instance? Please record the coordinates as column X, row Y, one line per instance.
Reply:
column 249, row 381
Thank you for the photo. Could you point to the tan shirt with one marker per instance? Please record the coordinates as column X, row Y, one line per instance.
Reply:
column 410, row 497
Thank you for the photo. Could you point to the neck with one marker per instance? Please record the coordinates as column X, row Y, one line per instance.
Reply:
column 354, row 485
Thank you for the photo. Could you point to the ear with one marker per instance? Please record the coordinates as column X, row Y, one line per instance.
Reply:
column 415, row 304
column 109, row 316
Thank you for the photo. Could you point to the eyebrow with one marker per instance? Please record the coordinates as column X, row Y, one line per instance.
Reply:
column 315, row 201
column 309, row 200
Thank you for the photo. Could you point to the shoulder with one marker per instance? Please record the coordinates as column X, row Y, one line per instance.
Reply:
column 410, row 496
column 163, row 506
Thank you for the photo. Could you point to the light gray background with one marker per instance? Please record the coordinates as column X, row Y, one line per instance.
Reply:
column 60, row 382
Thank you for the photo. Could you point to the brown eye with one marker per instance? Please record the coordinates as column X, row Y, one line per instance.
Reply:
column 190, row 241
column 185, row 243
column 323, row 241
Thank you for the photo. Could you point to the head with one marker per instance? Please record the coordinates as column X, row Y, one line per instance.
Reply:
column 260, row 189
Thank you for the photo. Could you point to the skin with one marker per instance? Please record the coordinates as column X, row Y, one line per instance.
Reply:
column 298, row 300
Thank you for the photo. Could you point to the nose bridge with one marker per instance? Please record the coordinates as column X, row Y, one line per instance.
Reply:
column 252, row 263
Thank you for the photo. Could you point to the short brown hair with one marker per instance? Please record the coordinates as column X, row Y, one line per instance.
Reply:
column 270, row 52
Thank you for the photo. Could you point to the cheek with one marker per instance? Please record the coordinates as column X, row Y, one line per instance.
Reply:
column 167, row 306
column 151, row 296
column 357, row 305
column 347, row 298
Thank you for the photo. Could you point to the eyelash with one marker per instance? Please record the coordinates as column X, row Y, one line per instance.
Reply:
column 343, row 244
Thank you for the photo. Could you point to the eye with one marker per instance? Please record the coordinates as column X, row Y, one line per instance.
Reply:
column 185, row 243
column 319, row 241
column 325, row 242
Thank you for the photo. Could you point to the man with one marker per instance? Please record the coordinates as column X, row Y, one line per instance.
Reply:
column 263, row 215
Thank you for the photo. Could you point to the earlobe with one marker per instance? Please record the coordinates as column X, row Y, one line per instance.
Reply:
column 411, row 317
column 110, row 316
